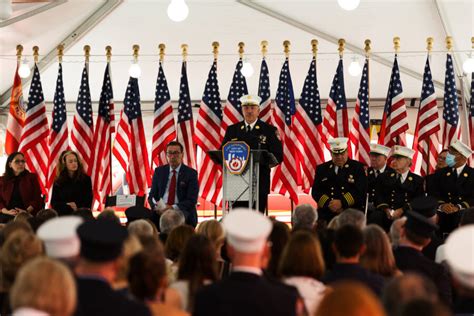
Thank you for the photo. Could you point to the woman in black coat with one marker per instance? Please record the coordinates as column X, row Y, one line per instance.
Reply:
column 72, row 188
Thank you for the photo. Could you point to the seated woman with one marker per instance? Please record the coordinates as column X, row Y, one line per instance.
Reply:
column 19, row 189
column 72, row 188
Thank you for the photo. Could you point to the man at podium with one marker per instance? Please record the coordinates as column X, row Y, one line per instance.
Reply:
column 258, row 135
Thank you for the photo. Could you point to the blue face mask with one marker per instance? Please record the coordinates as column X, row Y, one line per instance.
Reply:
column 450, row 160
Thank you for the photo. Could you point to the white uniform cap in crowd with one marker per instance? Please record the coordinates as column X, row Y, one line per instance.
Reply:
column 250, row 100
column 379, row 149
column 403, row 151
column 28, row 311
column 246, row 230
column 462, row 148
column 60, row 237
column 459, row 250
column 338, row 145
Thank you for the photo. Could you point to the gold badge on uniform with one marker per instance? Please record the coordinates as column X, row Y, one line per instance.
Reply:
column 465, row 175
column 257, row 127
column 371, row 171
column 448, row 174
column 347, row 166
column 242, row 127
column 351, row 180
column 410, row 178
column 392, row 175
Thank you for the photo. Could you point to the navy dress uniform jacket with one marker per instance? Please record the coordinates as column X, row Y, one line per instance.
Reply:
column 393, row 194
column 373, row 181
column 187, row 190
column 349, row 185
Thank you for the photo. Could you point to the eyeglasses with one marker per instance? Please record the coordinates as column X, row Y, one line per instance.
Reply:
column 171, row 153
column 19, row 161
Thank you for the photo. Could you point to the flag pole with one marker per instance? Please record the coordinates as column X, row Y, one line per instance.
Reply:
column 215, row 52
column 464, row 108
column 108, row 54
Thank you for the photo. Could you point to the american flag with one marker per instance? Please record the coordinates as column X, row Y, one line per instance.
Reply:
column 307, row 126
column 426, row 140
column 266, row 106
column 394, row 121
column 164, row 129
column 58, row 137
column 130, row 144
column 360, row 133
column 16, row 116
column 336, row 122
column 209, row 135
column 451, row 105
column 287, row 175
column 471, row 117
column 101, row 172
column 34, row 137
column 233, row 110
column 83, row 128
column 185, row 120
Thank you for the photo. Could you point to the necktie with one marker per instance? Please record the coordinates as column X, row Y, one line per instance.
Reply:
column 399, row 177
column 249, row 128
column 172, row 188
column 377, row 172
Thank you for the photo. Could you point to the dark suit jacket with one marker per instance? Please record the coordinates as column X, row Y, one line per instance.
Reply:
column 373, row 182
column 393, row 194
column 78, row 191
column 30, row 191
column 450, row 188
column 409, row 259
column 246, row 294
column 95, row 297
column 187, row 190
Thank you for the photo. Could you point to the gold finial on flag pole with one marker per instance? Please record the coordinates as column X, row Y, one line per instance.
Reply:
column 136, row 49
column 342, row 44
column 314, row 45
column 60, row 52
column 429, row 44
column 19, row 51
column 286, row 45
column 162, row 48
column 472, row 41
column 264, row 45
column 108, row 53
column 396, row 44
column 449, row 43
column 241, row 49
column 367, row 47
column 87, row 52
column 184, row 47
column 215, row 49
column 36, row 53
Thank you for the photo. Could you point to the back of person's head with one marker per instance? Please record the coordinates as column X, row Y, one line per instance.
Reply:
column 395, row 230
column 424, row 307
column 467, row 217
column 378, row 256
column 22, row 216
column 45, row 285
column 213, row 230
column 42, row 217
column 109, row 214
column 405, row 288
column 147, row 274
column 171, row 219
column 302, row 256
column 151, row 242
column 279, row 237
column 349, row 298
column 351, row 216
column 12, row 227
column 176, row 241
column 348, row 241
column 19, row 247
column 131, row 246
column 140, row 228
column 85, row 213
column 304, row 217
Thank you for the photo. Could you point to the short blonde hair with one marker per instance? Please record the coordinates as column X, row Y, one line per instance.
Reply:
column 47, row 285
column 131, row 247
column 213, row 230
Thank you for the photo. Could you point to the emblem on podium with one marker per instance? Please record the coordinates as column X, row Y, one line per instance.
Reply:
column 236, row 156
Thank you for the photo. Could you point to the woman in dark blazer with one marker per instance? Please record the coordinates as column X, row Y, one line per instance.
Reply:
column 19, row 189
column 72, row 188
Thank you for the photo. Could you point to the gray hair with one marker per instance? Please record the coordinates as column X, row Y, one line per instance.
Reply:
column 140, row 227
column 351, row 216
column 304, row 216
column 170, row 220
column 395, row 230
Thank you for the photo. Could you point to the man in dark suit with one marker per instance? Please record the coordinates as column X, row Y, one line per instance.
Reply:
column 340, row 183
column 101, row 245
column 396, row 189
column 414, row 236
column 454, row 186
column 258, row 135
column 175, row 186
column 246, row 291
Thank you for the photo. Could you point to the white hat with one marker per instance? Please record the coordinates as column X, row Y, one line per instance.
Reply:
column 462, row 148
column 403, row 151
column 380, row 149
column 247, row 230
column 249, row 99
column 459, row 251
column 338, row 145
column 60, row 237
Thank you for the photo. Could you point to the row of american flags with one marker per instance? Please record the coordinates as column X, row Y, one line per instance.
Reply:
column 303, row 127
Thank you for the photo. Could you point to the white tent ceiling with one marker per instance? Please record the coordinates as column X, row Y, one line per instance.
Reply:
column 229, row 22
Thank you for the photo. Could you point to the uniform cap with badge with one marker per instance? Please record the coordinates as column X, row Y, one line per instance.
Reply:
column 250, row 100
column 60, row 237
column 462, row 148
column 419, row 224
column 424, row 205
column 338, row 145
column 246, row 230
column 459, row 249
column 402, row 151
column 379, row 149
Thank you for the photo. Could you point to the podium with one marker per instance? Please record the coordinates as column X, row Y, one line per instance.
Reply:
column 244, row 186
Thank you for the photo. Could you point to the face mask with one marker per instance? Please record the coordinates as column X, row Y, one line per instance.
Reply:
column 450, row 160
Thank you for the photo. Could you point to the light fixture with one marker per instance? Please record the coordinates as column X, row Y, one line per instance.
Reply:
column 178, row 10
column 354, row 68
column 6, row 10
column 247, row 69
column 348, row 5
column 135, row 71
column 24, row 70
column 468, row 65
